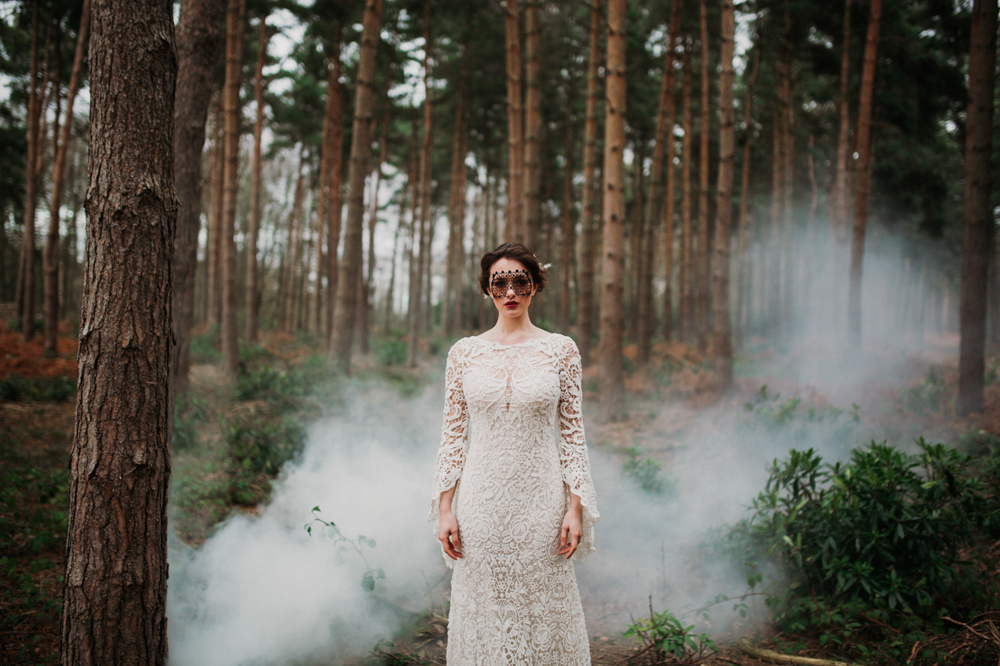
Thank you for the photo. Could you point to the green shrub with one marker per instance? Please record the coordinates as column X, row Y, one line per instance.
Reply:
column 205, row 347
column 885, row 530
column 390, row 352
column 645, row 472
column 188, row 414
column 259, row 445
column 929, row 395
column 663, row 634
column 38, row 389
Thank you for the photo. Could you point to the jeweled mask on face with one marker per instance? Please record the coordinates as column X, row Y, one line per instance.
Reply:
column 503, row 281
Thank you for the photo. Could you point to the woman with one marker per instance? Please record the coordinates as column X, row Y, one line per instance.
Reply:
column 526, row 503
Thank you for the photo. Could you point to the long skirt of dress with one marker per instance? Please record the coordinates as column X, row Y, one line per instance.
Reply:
column 514, row 598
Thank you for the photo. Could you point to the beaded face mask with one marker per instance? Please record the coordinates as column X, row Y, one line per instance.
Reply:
column 504, row 281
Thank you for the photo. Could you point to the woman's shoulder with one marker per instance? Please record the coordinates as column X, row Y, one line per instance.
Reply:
column 564, row 343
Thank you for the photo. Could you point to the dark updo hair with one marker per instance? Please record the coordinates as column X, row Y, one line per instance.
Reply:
column 517, row 252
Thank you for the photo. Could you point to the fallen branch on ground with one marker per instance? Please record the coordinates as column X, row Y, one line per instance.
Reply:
column 773, row 657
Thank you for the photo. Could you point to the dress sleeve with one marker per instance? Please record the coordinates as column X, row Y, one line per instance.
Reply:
column 573, row 445
column 454, row 432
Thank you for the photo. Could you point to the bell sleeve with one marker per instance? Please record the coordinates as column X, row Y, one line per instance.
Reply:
column 454, row 434
column 573, row 456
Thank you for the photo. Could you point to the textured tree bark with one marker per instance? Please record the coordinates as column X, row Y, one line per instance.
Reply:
column 253, row 288
column 663, row 152
column 292, row 256
column 420, row 303
column 199, row 45
column 336, row 169
column 413, row 251
column 591, row 195
column 452, row 276
column 723, row 343
column 515, row 127
column 687, row 265
column 368, row 304
column 361, row 152
column 862, row 177
column 741, row 233
column 633, row 256
column 840, row 201
column 532, row 124
column 611, row 379
column 116, row 553
column 50, row 260
column 702, row 272
column 231, row 104
column 978, row 216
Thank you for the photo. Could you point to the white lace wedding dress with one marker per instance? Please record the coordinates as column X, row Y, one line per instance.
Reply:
column 513, row 441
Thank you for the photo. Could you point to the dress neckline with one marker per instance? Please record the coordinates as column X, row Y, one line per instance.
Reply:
column 516, row 344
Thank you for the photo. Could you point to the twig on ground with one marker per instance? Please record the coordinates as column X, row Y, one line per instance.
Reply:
column 773, row 657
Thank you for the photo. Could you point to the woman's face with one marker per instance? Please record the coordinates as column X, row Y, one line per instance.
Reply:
column 511, row 287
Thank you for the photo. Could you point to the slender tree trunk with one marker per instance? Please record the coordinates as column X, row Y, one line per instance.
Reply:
column 633, row 274
column 532, row 123
column 978, row 217
column 701, row 306
column 391, row 290
column 361, row 151
column 51, row 258
column 840, row 218
column 611, row 379
column 231, row 98
column 788, row 173
column 515, row 227
column 286, row 305
column 413, row 251
column 453, row 261
column 336, row 168
column 215, row 236
column 774, row 300
column 199, row 45
column 591, row 195
column 745, row 194
column 663, row 154
column 568, row 240
column 26, row 269
column 420, row 306
column 723, row 344
column 687, row 265
column 368, row 304
column 115, row 589
column 862, row 178
column 253, row 288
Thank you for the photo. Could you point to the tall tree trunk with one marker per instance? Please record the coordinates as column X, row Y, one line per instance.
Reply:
column 215, row 233
column 453, row 259
column 840, row 208
column 115, row 592
column 862, row 178
column 687, row 265
column 199, row 46
column 978, row 217
column 774, row 300
column 568, row 240
column 413, row 251
column 26, row 269
column 51, row 258
column 335, row 155
column 741, row 233
column 723, row 344
column 231, row 104
column 701, row 306
column 515, row 228
column 591, row 195
column 420, row 302
column 635, row 237
column 788, row 173
column 286, row 304
column 361, row 151
column 253, row 288
column 532, row 123
column 611, row 379
column 663, row 152
column 368, row 304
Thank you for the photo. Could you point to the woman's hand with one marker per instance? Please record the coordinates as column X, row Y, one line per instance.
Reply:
column 448, row 534
column 572, row 528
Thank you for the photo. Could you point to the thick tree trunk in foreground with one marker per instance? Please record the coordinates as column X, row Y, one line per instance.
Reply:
column 591, row 196
column 51, row 258
column 978, row 217
column 253, row 297
column 116, row 553
column 611, row 379
column 515, row 127
column 361, row 152
column 199, row 45
column 862, row 178
column 532, row 213
column 723, row 347
column 231, row 105
column 701, row 305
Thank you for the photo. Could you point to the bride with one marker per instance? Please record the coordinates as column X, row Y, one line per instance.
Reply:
column 513, row 500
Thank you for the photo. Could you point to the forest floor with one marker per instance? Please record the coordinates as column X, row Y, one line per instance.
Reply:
column 902, row 396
